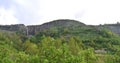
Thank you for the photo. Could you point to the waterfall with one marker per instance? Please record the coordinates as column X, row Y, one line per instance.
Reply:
column 27, row 31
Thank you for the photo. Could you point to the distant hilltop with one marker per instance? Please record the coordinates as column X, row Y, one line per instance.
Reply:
column 34, row 29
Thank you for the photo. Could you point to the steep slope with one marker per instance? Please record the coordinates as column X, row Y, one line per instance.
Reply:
column 115, row 28
column 61, row 23
column 91, row 36
column 56, row 23
column 98, row 37
column 20, row 28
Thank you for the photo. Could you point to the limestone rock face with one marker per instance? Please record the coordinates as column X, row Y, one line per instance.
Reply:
column 14, row 28
column 34, row 29
column 114, row 28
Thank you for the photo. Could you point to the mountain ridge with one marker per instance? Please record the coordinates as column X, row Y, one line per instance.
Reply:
column 35, row 29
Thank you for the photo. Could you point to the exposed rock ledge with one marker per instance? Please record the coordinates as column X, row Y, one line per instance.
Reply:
column 33, row 29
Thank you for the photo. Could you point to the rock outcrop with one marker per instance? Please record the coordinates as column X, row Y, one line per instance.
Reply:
column 34, row 29
column 14, row 28
column 113, row 27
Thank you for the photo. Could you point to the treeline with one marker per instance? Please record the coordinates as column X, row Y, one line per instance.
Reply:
column 60, row 46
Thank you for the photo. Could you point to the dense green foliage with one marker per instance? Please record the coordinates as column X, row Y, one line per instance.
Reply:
column 61, row 45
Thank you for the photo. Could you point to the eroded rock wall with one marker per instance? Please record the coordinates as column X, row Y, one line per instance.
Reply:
column 34, row 29
column 14, row 28
column 114, row 28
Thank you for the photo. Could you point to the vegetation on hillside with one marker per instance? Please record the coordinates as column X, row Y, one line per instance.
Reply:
column 81, row 44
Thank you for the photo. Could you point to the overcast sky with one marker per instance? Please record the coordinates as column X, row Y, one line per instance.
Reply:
column 31, row 12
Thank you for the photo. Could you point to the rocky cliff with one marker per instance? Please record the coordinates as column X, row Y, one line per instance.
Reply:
column 34, row 29
column 113, row 27
column 14, row 28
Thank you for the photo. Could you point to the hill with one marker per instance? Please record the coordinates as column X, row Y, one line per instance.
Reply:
column 97, row 37
column 60, row 41
column 34, row 29
column 61, row 23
